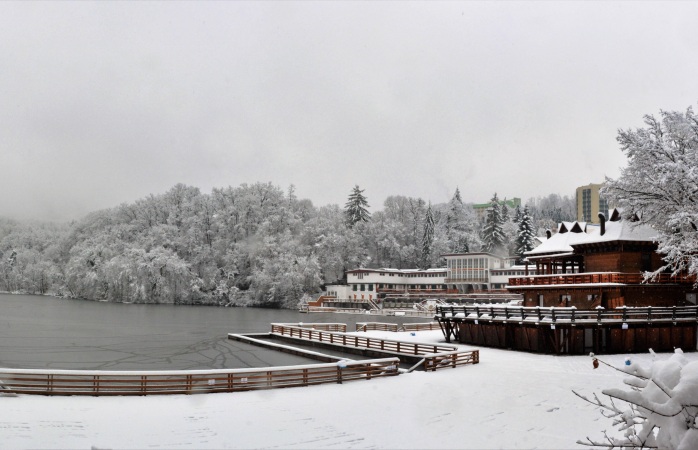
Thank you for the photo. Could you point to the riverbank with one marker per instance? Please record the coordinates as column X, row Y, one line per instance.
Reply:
column 509, row 400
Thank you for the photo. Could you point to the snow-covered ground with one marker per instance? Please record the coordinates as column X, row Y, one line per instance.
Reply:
column 509, row 400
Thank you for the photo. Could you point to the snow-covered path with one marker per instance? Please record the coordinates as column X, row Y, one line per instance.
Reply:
column 509, row 400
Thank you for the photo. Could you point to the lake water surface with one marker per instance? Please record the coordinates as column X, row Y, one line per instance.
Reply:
column 38, row 332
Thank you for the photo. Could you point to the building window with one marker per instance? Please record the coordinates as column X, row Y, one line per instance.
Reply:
column 363, row 287
column 370, row 287
column 353, row 287
column 565, row 300
column 586, row 205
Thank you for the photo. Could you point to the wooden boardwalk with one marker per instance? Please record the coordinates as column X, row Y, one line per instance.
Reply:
column 428, row 357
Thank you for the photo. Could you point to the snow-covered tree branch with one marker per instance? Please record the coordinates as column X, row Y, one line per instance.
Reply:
column 660, row 185
column 659, row 410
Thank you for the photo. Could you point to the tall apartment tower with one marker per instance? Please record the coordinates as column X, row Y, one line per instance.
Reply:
column 590, row 203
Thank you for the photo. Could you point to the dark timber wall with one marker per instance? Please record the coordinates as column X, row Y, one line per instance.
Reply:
column 569, row 331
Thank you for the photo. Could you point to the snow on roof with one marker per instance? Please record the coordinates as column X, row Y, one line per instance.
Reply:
column 398, row 271
column 560, row 242
column 623, row 230
column 566, row 238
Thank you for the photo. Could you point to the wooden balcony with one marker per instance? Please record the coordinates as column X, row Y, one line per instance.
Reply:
column 598, row 278
column 416, row 291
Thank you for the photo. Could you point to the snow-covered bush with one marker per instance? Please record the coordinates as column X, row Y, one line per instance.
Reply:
column 659, row 410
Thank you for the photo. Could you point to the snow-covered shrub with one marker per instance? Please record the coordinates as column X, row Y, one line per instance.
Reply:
column 659, row 410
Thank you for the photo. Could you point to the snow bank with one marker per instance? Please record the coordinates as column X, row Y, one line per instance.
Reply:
column 509, row 400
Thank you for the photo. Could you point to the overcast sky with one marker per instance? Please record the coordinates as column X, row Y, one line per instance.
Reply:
column 107, row 102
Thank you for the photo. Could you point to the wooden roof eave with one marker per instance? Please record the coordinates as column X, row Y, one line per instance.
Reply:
column 569, row 256
column 617, row 242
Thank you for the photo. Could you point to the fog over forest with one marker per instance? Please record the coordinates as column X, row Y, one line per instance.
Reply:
column 254, row 244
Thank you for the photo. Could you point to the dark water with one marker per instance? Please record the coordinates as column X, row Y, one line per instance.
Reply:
column 47, row 332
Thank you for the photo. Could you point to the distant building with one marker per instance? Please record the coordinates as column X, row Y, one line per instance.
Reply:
column 465, row 273
column 368, row 284
column 470, row 272
column 481, row 209
column 590, row 203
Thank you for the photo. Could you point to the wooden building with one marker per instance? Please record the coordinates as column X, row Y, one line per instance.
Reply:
column 588, row 293
column 587, row 266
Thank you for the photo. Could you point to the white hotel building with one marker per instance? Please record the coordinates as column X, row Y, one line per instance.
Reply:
column 472, row 272
column 366, row 284
column 464, row 273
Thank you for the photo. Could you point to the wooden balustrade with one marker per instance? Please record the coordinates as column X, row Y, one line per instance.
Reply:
column 601, row 277
column 99, row 383
column 451, row 360
column 400, row 347
column 571, row 315
column 330, row 326
column 420, row 326
column 376, row 326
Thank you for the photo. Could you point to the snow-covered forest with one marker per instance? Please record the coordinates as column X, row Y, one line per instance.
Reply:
column 252, row 244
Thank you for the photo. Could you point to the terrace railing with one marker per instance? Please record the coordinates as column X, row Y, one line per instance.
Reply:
column 600, row 277
column 567, row 315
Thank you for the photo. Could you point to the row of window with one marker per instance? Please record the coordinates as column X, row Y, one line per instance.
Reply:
column 510, row 273
column 468, row 263
column 360, row 275
column 369, row 287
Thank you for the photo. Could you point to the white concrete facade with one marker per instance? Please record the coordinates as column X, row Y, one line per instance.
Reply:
column 468, row 272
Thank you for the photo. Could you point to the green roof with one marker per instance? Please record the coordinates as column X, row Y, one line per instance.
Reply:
column 512, row 203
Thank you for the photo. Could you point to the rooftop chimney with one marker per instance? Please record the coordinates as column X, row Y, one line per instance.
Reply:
column 548, row 234
column 602, row 221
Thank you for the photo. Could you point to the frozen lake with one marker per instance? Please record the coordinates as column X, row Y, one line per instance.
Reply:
column 38, row 332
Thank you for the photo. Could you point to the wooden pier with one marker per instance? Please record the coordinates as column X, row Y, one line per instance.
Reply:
column 571, row 331
column 428, row 357
column 382, row 358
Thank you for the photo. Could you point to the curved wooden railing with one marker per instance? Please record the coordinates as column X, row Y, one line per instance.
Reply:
column 571, row 315
column 99, row 383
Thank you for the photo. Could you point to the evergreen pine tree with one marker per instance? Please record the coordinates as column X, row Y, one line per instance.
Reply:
column 453, row 218
column 457, row 197
column 427, row 238
column 525, row 238
column 493, row 234
column 517, row 214
column 355, row 209
column 505, row 212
